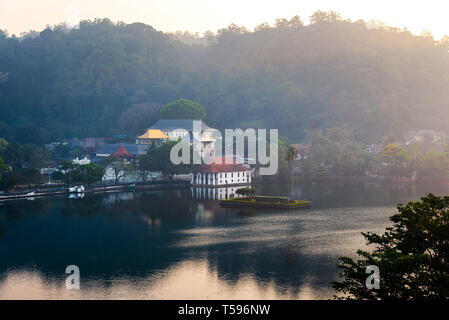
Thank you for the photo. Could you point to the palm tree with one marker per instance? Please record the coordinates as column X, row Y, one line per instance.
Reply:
column 292, row 153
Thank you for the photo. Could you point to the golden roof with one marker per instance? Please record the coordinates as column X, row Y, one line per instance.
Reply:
column 153, row 134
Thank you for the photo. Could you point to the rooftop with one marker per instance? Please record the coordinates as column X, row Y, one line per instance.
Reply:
column 135, row 149
column 122, row 153
column 153, row 134
column 220, row 165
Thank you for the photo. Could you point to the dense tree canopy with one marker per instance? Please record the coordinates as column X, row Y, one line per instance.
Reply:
column 87, row 173
column 412, row 256
column 183, row 109
column 295, row 77
column 158, row 159
column 334, row 153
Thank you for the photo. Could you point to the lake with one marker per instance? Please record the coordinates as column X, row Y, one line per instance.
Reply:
column 179, row 244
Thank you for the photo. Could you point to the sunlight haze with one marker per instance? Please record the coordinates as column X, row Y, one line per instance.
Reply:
column 17, row 16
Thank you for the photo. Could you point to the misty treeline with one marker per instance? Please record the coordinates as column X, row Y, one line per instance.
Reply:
column 106, row 78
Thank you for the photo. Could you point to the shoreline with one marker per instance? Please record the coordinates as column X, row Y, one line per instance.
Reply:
column 103, row 189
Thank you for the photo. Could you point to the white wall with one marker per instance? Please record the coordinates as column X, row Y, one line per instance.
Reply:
column 221, row 179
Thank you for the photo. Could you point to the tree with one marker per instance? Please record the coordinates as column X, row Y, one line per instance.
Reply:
column 320, row 17
column 66, row 151
column 433, row 167
column 412, row 256
column 13, row 156
column 120, row 168
column 9, row 180
column 334, row 152
column 33, row 156
column 67, row 167
column 31, row 175
column 3, row 167
column 3, row 145
column 248, row 192
column 183, row 109
column 136, row 118
column 396, row 161
column 87, row 173
column 145, row 164
column 292, row 153
column 160, row 160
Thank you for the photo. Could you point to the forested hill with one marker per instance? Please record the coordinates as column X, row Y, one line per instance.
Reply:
column 106, row 78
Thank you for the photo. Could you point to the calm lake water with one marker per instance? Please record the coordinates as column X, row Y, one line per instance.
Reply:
column 170, row 245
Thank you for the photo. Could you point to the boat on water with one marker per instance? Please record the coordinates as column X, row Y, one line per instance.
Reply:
column 30, row 195
column 76, row 189
column 265, row 202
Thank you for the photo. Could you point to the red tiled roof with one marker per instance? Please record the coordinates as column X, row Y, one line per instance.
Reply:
column 122, row 153
column 217, row 167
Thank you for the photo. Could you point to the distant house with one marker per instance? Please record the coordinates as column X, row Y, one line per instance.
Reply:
column 83, row 161
column 220, row 173
column 184, row 129
column 109, row 149
column 426, row 136
column 122, row 153
column 152, row 136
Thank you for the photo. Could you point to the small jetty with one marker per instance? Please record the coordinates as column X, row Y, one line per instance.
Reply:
column 265, row 202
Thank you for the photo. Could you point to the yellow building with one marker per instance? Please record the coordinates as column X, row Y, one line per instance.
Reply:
column 152, row 136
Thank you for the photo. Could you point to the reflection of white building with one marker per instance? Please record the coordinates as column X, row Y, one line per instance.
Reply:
column 220, row 173
column 214, row 193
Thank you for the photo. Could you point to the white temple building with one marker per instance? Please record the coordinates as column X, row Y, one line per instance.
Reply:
column 185, row 129
column 220, row 173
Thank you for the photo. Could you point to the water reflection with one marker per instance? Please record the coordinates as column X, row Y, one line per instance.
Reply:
column 170, row 244
column 215, row 193
column 185, row 280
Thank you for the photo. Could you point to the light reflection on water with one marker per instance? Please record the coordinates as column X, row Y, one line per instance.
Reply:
column 164, row 245
column 186, row 280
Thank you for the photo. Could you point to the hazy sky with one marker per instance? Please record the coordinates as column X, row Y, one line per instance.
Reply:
column 18, row 16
